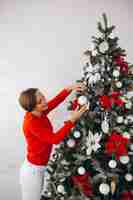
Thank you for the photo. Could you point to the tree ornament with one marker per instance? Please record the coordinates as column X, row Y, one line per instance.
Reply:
column 81, row 170
column 123, row 98
column 112, row 164
column 131, row 131
column 113, row 185
column 119, row 119
column 55, row 157
column 131, row 146
column 89, row 150
column 105, row 125
column 82, row 100
column 129, row 119
column 131, row 71
column 118, row 84
column 128, row 105
column 129, row 177
column 83, row 183
column 104, row 188
column 125, row 121
column 103, row 47
column 124, row 159
column 116, row 73
column 71, row 143
column 129, row 94
column 47, row 194
column 61, row 189
column 92, row 142
column 126, row 135
column 77, row 134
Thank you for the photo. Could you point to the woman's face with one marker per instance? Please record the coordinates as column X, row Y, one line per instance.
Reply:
column 41, row 102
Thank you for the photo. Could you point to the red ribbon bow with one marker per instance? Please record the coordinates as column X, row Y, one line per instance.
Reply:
column 107, row 101
column 83, row 183
column 116, row 144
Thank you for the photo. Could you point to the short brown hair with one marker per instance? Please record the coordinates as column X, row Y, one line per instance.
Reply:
column 27, row 99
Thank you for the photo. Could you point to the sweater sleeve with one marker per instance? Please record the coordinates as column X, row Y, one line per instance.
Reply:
column 46, row 136
column 59, row 98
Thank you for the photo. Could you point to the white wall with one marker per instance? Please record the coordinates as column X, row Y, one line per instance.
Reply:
column 41, row 45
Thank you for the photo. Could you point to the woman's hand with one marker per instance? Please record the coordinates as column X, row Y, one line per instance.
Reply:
column 76, row 87
column 76, row 114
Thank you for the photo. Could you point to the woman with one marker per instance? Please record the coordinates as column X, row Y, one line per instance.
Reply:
column 40, row 137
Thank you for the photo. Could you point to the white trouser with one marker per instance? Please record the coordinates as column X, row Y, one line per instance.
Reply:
column 31, row 180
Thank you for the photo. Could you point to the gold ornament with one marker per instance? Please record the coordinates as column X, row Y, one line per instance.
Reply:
column 113, row 185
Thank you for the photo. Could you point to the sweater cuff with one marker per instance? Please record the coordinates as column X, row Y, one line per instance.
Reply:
column 66, row 91
column 69, row 123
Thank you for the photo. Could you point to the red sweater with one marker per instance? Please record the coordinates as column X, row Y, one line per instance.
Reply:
column 39, row 134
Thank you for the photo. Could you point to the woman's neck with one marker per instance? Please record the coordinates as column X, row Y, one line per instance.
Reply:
column 37, row 113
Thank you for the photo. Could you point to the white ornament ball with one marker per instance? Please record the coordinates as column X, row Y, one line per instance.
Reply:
column 103, row 47
column 116, row 73
column 82, row 100
column 60, row 189
column 124, row 159
column 81, row 170
column 104, row 188
column 128, row 105
column 119, row 119
column 71, row 143
column 128, row 177
column 112, row 164
column 77, row 134
column 118, row 84
column 130, row 118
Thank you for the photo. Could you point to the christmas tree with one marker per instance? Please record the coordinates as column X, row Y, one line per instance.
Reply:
column 96, row 160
